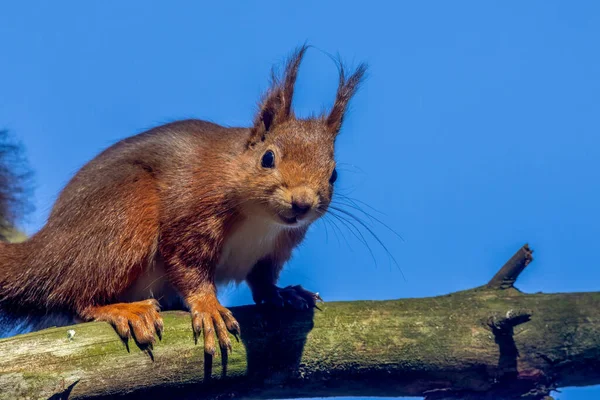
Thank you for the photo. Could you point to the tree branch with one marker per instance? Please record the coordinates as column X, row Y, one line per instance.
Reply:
column 476, row 344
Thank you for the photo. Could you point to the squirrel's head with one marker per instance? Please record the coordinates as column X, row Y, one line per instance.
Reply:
column 291, row 161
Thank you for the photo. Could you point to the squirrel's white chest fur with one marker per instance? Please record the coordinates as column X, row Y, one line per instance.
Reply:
column 253, row 239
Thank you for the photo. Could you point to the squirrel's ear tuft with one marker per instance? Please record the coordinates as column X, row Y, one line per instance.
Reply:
column 346, row 89
column 276, row 105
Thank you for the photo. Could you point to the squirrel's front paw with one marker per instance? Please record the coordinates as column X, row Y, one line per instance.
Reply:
column 210, row 317
column 295, row 297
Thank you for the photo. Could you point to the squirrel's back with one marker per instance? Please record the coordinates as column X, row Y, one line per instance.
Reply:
column 156, row 151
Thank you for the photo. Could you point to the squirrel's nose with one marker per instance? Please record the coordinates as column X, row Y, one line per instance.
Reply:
column 300, row 207
column 302, row 201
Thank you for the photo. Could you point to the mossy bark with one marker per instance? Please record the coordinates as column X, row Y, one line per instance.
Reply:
column 481, row 343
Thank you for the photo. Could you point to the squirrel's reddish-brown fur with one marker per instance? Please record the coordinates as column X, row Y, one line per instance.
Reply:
column 170, row 213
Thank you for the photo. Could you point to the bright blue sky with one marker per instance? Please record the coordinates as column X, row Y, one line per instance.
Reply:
column 477, row 130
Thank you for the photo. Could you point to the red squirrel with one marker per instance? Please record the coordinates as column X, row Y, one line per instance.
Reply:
column 172, row 212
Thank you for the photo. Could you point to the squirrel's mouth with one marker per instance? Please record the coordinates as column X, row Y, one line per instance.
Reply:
column 289, row 220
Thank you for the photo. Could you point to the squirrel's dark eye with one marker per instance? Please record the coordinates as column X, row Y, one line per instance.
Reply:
column 333, row 176
column 268, row 159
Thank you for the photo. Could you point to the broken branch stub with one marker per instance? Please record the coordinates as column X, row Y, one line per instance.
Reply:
column 508, row 274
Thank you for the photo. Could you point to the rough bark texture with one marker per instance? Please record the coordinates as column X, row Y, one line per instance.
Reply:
column 485, row 343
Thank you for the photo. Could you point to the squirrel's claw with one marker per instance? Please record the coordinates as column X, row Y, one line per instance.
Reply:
column 209, row 318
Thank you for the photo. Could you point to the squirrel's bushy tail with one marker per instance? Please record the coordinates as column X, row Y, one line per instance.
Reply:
column 14, row 185
column 14, row 191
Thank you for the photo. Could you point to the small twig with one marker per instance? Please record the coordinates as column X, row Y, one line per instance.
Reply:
column 508, row 274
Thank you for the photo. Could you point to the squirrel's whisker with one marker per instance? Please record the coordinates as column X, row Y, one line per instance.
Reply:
column 356, row 233
column 332, row 210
